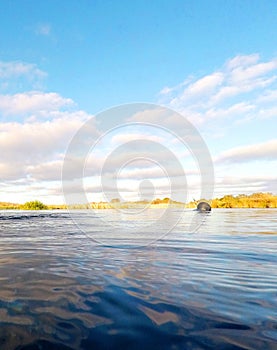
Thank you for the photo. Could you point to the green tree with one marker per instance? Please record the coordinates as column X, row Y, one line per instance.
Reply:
column 34, row 205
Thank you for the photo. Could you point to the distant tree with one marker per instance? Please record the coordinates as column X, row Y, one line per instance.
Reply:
column 156, row 201
column 34, row 205
column 254, row 200
column 115, row 200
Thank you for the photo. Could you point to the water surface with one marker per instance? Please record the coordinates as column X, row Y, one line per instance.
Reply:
column 213, row 289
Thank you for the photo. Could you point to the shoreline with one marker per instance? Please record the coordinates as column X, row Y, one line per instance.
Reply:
column 255, row 200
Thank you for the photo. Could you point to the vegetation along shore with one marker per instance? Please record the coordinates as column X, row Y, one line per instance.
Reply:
column 255, row 200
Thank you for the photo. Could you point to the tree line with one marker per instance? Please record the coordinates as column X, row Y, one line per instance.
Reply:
column 255, row 200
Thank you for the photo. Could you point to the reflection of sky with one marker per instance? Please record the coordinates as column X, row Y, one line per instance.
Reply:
column 58, row 285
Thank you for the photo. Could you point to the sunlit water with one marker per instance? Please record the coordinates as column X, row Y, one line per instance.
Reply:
column 213, row 289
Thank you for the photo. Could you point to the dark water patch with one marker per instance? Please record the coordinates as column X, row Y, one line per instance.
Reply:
column 31, row 216
column 66, row 325
column 231, row 325
column 44, row 345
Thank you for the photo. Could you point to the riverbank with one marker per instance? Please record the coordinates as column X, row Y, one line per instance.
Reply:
column 255, row 200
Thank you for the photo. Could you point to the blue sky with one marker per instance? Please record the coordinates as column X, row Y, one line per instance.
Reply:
column 63, row 62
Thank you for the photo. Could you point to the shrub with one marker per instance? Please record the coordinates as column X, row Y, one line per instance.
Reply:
column 34, row 205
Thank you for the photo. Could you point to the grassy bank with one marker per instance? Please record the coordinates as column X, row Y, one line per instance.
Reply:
column 255, row 200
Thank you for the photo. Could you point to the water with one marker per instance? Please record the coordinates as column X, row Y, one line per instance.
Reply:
column 214, row 289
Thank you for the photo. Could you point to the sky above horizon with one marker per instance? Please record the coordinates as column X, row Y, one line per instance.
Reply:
column 64, row 62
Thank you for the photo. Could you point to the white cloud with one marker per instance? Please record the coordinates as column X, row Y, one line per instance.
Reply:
column 166, row 90
column 242, row 61
column 242, row 74
column 128, row 157
column 260, row 151
column 34, row 149
column 167, row 120
column 242, row 90
column 124, row 138
column 46, row 171
column 20, row 76
column 148, row 115
column 268, row 96
column 241, row 108
column 203, row 86
column 153, row 172
column 19, row 69
column 242, row 87
column 245, row 184
column 33, row 101
column 268, row 113
column 226, row 89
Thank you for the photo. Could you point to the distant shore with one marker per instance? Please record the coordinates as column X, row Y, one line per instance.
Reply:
column 255, row 200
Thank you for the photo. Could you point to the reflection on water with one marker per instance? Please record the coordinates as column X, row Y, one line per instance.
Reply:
column 215, row 289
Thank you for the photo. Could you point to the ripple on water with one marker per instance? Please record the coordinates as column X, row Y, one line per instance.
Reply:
column 213, row 289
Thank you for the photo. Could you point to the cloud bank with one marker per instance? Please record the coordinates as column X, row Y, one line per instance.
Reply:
column 241, row 86
column 234, row 108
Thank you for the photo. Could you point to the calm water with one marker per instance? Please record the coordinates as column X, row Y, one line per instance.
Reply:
column 214, row 289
